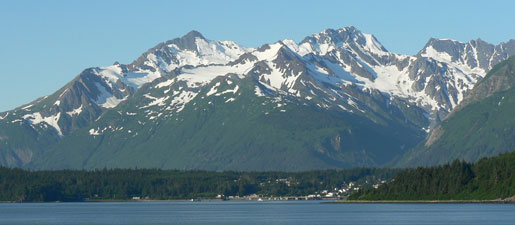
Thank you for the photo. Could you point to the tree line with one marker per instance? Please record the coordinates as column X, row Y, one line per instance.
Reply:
column 18, row 185
column 487, row 179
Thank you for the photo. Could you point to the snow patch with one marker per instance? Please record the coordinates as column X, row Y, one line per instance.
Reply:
column 230, row 100
column 278, row 77
column 354, row 104
column 269, row 53
column 430, row 52
column 36, row 118
column 201, row 76
column 373, row 46
column 213, row 89
column 155, row 101
column 179, row 102
column 345, row 109
column 258, row 91
column 207, row 53
column 228, row 91
column 94, row 132
column 134, row 79
column 165, row 83
column 27, row 107
column 62, row 93
column 76, row 111
column 106, row 99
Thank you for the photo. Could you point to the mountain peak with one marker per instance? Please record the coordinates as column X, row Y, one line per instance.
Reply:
column 331, row 39
column 188, row 41
column 350, row 29
column 442, row 49
column 433, row 41
column 340, row 34
column 192, row 35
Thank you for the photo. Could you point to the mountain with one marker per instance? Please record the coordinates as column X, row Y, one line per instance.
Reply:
column 487, row 179
column 336, row 99
column 481, row 126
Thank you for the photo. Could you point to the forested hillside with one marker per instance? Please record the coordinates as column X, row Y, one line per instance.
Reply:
column 487, row 179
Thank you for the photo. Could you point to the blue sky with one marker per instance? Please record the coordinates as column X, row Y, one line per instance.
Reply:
column 45, row 44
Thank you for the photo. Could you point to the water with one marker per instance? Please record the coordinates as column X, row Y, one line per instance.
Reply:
column 243, row 212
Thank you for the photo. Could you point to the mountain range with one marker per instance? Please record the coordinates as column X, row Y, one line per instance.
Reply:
column 337, row 99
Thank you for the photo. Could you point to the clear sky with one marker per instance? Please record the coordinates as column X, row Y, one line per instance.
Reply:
column 45, row 44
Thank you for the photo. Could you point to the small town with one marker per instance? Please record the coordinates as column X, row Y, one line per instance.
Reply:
column 336, row 193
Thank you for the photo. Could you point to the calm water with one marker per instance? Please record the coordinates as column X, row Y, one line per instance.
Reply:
column 234, row 212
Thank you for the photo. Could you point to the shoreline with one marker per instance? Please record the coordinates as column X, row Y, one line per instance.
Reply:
column 422, row 202
column 506, row 201
column 175, row 200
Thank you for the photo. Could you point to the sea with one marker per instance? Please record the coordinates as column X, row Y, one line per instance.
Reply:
column 254, row 212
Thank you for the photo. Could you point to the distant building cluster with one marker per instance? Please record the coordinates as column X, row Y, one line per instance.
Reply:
column 333, row 194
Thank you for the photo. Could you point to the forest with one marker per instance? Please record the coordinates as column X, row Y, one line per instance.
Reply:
column 487, row 179
column 17, row 185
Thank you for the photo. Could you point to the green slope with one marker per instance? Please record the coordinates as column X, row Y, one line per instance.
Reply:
column 248, row 133
column 19, row 142
column 482, row 125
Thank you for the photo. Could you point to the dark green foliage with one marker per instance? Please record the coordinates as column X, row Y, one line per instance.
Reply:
column 123, row 184
column 489, row 178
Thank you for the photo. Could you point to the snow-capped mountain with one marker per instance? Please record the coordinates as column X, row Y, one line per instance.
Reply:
column 436, row 79
column 101, row 88
column 344, row 72
column 482, row 125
